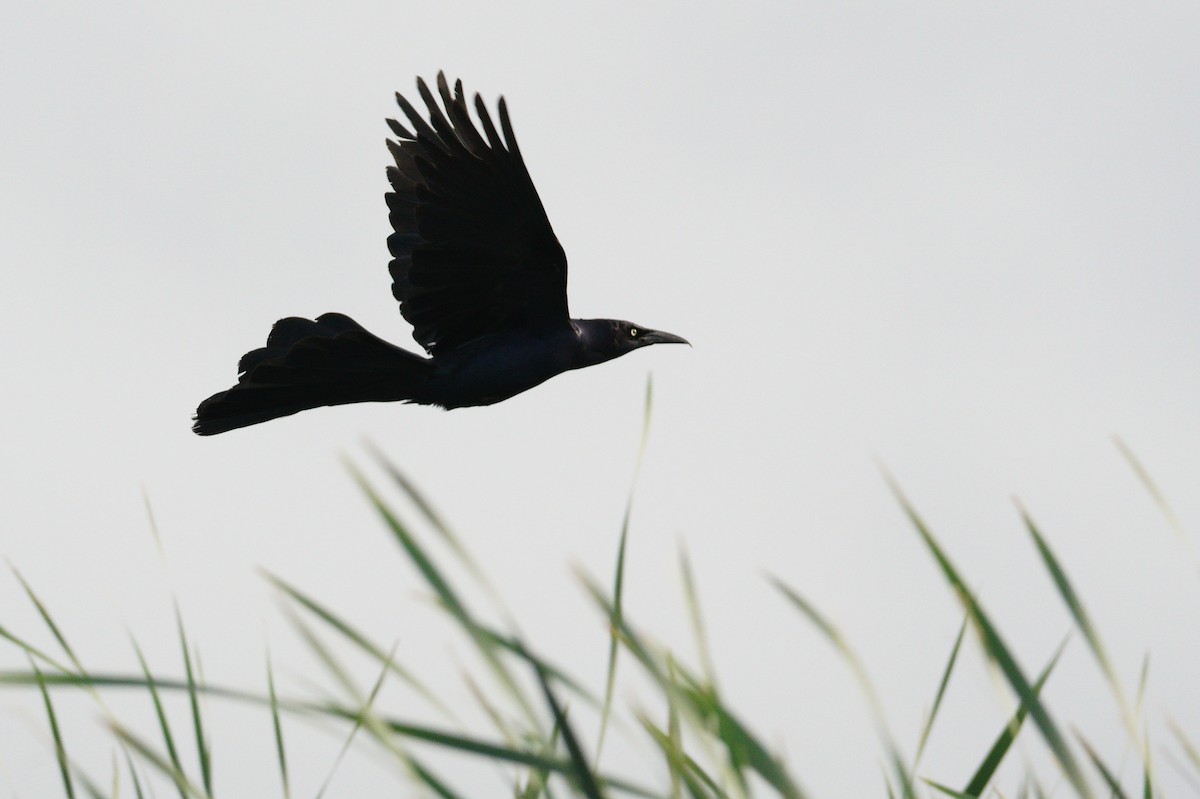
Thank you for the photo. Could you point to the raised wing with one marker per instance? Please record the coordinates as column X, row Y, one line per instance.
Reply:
column 473, row 252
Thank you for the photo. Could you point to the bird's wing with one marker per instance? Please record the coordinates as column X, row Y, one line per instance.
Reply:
column 473, row 252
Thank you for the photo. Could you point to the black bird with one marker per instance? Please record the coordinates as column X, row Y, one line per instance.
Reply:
column 479, row 275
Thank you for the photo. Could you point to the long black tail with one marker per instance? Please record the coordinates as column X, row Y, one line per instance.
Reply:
column 307, row 364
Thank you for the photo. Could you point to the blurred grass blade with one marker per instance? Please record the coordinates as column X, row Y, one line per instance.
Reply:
column 347, row 631
column 48, row 620
column 60, row 751
column 581, row 771
column 697, row 621
column 995, row 756
column 937, row 699
column 1110, row 779
column 438, row 523
column 743, row 748
column 1189, row 749
column 277, row 728
column 431, row 781
column 360, row 719
column 1157, row 495
column 860, row 673
column 203, row 752
column 997, row 650
column 538, row 782
column 447, row 597
column 133, row 776
column 33, row 651
column 186, row 788
column 164, row 727
column 699, row 784
column 1080, row 615
column 949, row 791
column 619, row 577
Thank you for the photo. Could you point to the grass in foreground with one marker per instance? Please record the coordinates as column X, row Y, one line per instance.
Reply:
column 707, row 750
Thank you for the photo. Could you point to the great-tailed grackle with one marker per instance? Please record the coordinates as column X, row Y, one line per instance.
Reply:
column 479, row 275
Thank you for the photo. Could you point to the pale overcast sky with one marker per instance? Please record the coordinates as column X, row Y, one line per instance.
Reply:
column 954, row 238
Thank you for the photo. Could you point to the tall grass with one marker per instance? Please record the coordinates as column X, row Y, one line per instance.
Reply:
column 536, row 711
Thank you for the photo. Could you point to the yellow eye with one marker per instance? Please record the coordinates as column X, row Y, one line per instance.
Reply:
column 633, row 331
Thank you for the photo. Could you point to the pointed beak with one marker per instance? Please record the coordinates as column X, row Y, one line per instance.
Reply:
column 659, row 337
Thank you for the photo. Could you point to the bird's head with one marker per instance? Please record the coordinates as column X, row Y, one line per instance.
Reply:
column 605, row 339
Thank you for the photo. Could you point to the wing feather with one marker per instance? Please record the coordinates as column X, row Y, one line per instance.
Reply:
column 473, row 251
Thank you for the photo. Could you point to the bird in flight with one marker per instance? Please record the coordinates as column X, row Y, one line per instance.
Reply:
column 477, row 270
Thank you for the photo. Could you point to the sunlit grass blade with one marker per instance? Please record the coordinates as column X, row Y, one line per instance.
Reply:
column 186, row 789
column 998, row 651
column 619, row 576
column 1110, row 779
column 277, row 729
column 1082, row 620
column 60, row 751
column 995, row 756
column 203, row 753
column 927, row 728
column 352, row 634
column 843, row 648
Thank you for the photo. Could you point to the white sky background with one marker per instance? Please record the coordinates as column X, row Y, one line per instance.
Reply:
column 956, row 239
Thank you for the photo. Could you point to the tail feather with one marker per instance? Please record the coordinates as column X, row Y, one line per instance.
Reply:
column 308, row 364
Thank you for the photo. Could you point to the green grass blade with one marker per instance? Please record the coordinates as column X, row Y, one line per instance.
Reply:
column 860, row 673
column 431, row 781
column 1110, row 779
column 1156, row 494
column 133, row 775
column 60, row 751
column 439, row 525
column 948, row 791
column 352, row 634
column 186, row 789
column 995, row 756
column 937, row 699
column 277, row 729
column 1082, row 620
column 619, row 576
column 360, row 719
column 447, row 597
column 164, row 727
column 699, row 784
column 582, row 775
column 1190, row 750
column 998, row 651
column 694, row 616
column 48, row 620
column 203, row 752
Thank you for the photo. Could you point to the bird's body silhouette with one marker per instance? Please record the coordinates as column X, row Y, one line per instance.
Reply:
column 479, row 275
